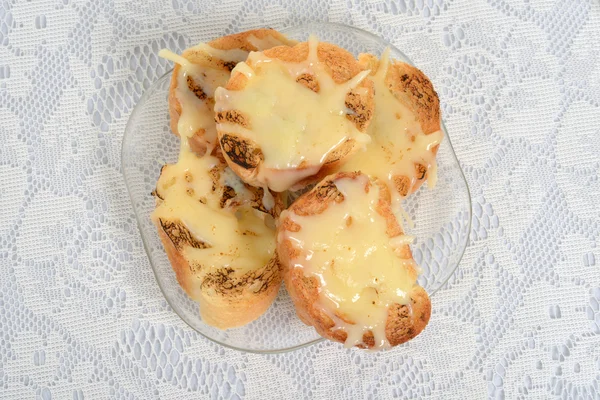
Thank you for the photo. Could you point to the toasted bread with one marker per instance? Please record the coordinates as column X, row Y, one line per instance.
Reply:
column 216, row 233
column 406, row 126
column 268, row 146
column 216, row 70
column 313, row 211
column 410, row 86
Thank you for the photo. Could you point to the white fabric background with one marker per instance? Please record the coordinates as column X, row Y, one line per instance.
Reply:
column 81, row 315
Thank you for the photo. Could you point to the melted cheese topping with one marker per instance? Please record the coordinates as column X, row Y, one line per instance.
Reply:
column 360, row 274
column 398, row 142
column 231, row 55
column 294, row 126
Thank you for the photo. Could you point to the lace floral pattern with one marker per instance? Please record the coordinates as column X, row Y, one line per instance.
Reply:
column 81, row 315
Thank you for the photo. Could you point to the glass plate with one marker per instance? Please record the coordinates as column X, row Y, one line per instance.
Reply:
column 441, row 216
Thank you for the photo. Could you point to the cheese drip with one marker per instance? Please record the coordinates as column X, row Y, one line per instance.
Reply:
column 398, row 142
column 294, row 127
column 360, row 275
column 268, row 41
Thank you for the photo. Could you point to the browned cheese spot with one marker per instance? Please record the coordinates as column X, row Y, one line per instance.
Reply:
column 195, row 88
column 180, row 236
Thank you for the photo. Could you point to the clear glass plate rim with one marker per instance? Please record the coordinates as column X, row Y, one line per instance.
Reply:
column 128, row 128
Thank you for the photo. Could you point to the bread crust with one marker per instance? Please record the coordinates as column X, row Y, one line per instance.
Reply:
column 239, row 41
column 413, row 89
column 245, row 156
column 404, row 322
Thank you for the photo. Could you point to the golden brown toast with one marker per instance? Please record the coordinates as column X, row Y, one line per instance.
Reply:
column 248, row 156
column 406, row 126
column 403, row 321
column 233, row 274
column 227, row 299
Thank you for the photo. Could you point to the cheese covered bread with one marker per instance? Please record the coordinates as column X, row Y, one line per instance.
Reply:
column 219, row 242
column 348, row 266
column 199, row 71
column 405, row 129
column 290, row 115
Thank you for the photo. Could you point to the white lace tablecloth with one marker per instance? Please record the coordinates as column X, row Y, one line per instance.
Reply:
column 81, row 316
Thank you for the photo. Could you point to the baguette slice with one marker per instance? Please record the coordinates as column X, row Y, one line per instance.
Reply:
column 290, row 115
column 331, row 284
column 405, row 129
column 227, row 299
column 219, row 240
